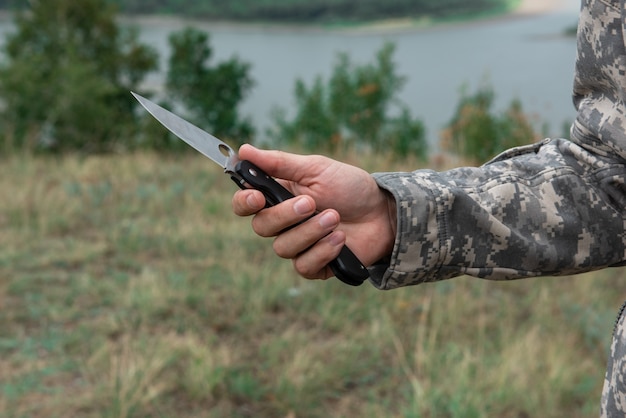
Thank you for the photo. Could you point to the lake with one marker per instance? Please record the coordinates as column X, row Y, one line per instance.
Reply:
column 527, row 58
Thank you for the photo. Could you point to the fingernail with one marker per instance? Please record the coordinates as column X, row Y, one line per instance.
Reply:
column 328, row 220
column 303, row 207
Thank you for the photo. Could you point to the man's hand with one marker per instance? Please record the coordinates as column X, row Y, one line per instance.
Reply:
column 353, row 210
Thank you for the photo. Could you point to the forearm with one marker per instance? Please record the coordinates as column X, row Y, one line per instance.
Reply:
column 550, row 209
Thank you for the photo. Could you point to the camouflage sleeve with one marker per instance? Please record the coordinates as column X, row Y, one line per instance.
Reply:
column 614, row 392
column 556, row 207
column 551, row 208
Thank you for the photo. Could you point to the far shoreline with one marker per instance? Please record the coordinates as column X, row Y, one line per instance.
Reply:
column 524, row 9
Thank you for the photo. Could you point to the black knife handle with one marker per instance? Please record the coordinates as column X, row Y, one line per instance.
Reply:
column 346, row 266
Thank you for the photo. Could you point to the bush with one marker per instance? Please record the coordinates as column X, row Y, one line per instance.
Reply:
column 353, row 109
column 210, row 94
column 477, row 134
column 67, row 75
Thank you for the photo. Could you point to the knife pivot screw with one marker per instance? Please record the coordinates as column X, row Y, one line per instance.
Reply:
column 253, row 172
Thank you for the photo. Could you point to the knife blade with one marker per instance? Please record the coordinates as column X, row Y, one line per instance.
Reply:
column 346, row 267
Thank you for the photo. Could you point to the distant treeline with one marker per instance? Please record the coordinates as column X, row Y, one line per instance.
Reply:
column 305, row 10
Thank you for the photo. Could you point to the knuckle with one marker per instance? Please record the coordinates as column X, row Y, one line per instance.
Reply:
column 281, row 250
column 270, row 222
column 259, row 226
column 305, row 269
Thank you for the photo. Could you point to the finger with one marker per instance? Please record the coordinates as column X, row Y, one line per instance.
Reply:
column 247, row 202
column 277, row 164
column 291, row 243
column 313, row 263
column 272, row 221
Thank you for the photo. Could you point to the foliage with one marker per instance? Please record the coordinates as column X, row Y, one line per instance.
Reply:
column 210, row 94
column 69, row 71
column 67, row 76
column 317, row 10
column 477, row 133
column 353, row 108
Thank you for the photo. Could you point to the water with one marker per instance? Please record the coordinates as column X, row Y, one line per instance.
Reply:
column 526, row 58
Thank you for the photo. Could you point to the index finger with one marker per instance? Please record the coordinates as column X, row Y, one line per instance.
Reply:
column 279, row 164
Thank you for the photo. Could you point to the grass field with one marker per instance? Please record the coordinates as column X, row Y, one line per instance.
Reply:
column 128, row 289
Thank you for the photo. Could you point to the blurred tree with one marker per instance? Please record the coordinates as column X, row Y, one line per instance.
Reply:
column 211, row 94
column 67, row 75
column 476, row 133
column 354, row 108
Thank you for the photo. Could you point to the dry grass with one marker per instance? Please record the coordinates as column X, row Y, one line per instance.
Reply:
column 128, row 289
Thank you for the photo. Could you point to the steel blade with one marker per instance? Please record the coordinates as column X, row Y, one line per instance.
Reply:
column 200, row 140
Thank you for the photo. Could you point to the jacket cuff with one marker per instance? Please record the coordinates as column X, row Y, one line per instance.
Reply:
column 420, row 237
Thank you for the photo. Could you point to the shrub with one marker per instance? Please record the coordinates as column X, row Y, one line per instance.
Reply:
column 477, row 133
column 66, row 78
column 354, row 108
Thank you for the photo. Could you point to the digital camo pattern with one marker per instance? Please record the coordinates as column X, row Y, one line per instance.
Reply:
column 600, row 78
column 553, row 208
column 599, row 95
column 614, row 393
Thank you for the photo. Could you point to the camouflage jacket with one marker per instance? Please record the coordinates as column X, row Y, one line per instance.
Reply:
column 553, row 208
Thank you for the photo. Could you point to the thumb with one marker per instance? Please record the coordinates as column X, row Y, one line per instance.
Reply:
column 277, row 164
